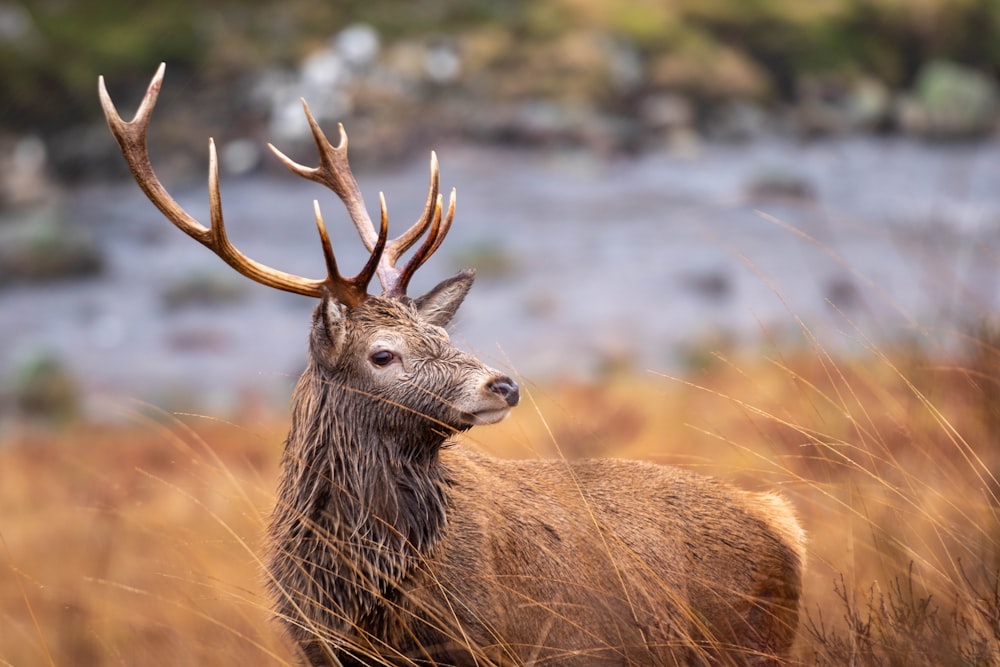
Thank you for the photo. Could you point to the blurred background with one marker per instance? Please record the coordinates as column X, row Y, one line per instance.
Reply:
column 639, row 182
column 755, row 238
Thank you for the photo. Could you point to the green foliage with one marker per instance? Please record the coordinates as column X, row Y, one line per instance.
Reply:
column 48, row 71
column 49, row 62
column 955, row 100
column 44, row 388
column 648, row 24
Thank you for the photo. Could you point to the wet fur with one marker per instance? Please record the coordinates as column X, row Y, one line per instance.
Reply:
column 390, row 544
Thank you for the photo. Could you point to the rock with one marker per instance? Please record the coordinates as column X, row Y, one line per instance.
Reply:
column 442, row 63
column 780, row 183
column 24, row 178
column 326, row 77
column 406, row 59
column 546, row 122
column 85, row 152
column 819, row 118
column 490, row 258
column 714, row 71
column 240, row 156
column 358, row 44
column 736, row 121
column 669, row 120
column 842, row 294
column 949, row 101
column 868, row 104
column 624, row 64
column 196, row 340
column 44, row 246
column 834, row 105
column 204, row 290
column 711, row 285
column 665, row 112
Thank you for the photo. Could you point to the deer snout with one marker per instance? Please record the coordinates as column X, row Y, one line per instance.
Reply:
column 505, row 388
column 491, row 401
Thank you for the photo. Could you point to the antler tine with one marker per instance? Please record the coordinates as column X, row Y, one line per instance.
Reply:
column 351, row 291
column 131, row 138
column 405, row 241
column 334, row 172
column 439, row 229
column 445, row 225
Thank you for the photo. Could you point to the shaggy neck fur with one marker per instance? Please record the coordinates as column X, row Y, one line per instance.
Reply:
column 361, row 499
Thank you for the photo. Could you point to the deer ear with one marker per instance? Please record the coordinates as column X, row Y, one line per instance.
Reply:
column 328, row 331
column 440, row 304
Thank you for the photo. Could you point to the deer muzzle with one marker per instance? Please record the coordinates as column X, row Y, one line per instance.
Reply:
column 495, row 399
column 505, row 388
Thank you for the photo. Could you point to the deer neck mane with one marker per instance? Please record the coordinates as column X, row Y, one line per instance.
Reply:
column 357, row 505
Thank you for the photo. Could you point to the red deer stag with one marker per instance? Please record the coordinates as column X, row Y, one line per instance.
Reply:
column 392, row 544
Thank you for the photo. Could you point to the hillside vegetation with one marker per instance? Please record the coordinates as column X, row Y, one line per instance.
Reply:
column 50, row 52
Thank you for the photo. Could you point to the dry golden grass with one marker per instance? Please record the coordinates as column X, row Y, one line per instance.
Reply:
column 136, row 545
column 130, row 545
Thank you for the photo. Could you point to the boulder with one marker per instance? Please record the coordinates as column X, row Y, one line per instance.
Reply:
column 949, row 101
column 43, row 246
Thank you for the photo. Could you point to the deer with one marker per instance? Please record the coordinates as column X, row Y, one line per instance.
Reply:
column 392, row 543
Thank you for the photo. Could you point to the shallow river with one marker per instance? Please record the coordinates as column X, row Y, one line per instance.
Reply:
column 584, row 262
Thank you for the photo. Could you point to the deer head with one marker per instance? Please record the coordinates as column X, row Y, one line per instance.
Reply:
column 388, row 348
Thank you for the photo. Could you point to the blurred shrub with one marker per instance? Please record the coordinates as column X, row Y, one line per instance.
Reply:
column 45, row 246
column 951, row 102
column 51, row 52
column 203, row 289
column 779, row 182
column 491, row 260
column 44, row 388
column 904, row 625
column 714, row 50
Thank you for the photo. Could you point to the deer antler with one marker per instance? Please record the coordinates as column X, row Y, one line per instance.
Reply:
column 335, row 173
column 131, row 138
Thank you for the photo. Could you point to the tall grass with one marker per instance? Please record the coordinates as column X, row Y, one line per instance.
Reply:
column 890, row 457
column 139, row 543
column 136, row 545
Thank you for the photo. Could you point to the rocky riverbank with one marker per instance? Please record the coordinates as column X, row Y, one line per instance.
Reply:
column 587, row 263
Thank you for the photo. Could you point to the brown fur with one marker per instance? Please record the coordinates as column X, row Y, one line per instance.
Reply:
column 391, row 544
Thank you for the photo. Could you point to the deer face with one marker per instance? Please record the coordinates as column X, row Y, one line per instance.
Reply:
column 397, row 353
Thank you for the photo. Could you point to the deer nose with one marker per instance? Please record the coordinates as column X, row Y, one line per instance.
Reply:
column 506, row 389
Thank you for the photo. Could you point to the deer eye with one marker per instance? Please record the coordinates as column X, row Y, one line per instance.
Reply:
column 382, row 357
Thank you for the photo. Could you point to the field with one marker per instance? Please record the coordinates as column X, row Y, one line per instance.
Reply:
column 131, row 543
